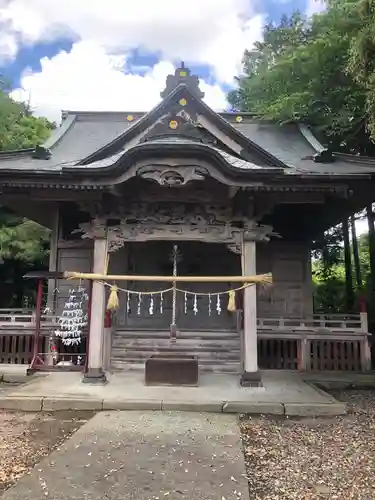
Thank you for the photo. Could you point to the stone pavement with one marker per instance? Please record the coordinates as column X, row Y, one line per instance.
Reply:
column 341, row 380
column 143, row 456
column 13, row 373
column 282, row 393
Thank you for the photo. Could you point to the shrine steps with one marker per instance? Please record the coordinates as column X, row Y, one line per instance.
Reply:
column 217, row 352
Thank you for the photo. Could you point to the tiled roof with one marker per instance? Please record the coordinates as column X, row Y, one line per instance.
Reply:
column 287, row 143
column 76, row 138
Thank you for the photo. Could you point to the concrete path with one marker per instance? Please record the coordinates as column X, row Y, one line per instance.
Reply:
column 282, row 393
column 143, row 456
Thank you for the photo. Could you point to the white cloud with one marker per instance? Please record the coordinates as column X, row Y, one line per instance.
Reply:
column 212, row 32
column 88, row 78
column 8, row 47
column 315, row 7
column 94, row 75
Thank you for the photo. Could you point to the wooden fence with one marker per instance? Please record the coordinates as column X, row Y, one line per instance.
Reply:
column 314, row 354
column 321, row 342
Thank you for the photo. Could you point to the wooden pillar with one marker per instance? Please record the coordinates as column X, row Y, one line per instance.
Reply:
column 107, row 347
column 250, row 376
column 366, row 360
column 95, row 372
column 304, row 358
column 53, row 265
column 52, row 284
column 371, row 242
column 349, row 291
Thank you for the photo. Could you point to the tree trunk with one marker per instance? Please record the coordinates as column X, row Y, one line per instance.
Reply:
column 357, row 263
column 349, row 292
column 371, row 242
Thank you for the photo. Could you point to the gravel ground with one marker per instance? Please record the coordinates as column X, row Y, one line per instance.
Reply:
column 316, row 458
column 25, row 438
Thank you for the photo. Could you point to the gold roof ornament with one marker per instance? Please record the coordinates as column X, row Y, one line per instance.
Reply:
column 173, row 124
column 182, row 76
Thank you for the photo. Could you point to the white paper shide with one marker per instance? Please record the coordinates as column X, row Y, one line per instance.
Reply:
column 73, row 318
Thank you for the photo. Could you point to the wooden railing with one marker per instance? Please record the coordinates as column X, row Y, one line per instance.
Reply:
column 321, row 342
column 329, row 323
column 318, row 322
column 16, row 316
column 23, row 318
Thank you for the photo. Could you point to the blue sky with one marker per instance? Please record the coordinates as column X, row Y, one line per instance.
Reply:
column 116, row 54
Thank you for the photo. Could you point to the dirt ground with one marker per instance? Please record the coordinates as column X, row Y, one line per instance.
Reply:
column 316, row 458
column 305, row 459
column 25, row 438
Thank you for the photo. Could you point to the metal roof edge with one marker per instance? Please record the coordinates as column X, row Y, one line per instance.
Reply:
column 358, row 159
column 87, row 115
column 245, row 114
column 92, row 113
column 15, row 153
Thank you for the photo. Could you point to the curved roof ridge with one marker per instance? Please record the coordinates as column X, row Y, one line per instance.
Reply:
column 238, row 162
column 59, row 132
column 310, row 137
column 231, row 161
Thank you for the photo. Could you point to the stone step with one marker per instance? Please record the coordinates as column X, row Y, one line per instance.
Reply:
column 144, row 354
column 218, row 367
column 201, row 361
column 163, row 334
column 121, row 328
column 217, row 351
column 179, row 344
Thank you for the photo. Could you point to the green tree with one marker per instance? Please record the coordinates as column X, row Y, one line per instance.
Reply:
column 18, row 128
column 22, row 239
column 301, row 73
column 23, row 243
column 329, row 272
column 24, row 246
column 322, row 72
column 361, row 63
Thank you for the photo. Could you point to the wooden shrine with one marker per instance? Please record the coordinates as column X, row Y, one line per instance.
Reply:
column 199, row 203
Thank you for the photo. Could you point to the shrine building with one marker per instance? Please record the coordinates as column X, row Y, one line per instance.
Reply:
column 185, row 191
